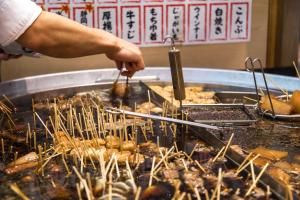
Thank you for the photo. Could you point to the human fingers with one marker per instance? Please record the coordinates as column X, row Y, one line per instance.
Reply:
column 119, row 64
column 128, row 73
column 14, row 56
column 4, row 56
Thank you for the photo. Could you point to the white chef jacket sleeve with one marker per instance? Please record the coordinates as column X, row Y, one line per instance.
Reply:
column 16, row 16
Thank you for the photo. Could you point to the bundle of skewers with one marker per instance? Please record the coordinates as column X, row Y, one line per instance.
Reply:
column 75, row 145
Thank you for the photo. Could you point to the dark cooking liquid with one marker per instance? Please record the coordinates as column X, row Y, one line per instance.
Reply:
column 270, row 134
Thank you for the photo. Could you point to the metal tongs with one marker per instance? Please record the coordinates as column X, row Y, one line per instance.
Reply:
column 114, row 86
column 156, row 117
column 273, row 115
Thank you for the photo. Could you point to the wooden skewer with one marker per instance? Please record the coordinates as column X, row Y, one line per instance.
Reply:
column 276, row 85
column 217, row 156
column 219, row 184
column 197, row 193
column 186, row 118
column 43, row 124
column 33, row 111
column 2, row 146
column 5, row 108
column 228, row 144
column 200, row 166
column 252, row 171
column 110, row 186
column 14, row 187
column 182, row 196
column 176, row 147
column 40, row 163
column 138, row 193
column 34, row 139
column 196, row 145
column 290, row 193
column 65, row 164
column 149, row 102
column 83, row 181
column 206, row 195
column 248, row 98
column 131, row 176
column 246, row 165
column 117, row 167
column 143, row 129
column 162, row 159
column 184, row 164
column 102, row 165
column 52, row 183
column 152, row 170
column 11, row 149
column 89, row 182
column 296, row 68
column 9, row 101
column 268, row 192
column 162, row 155
column 156, row 171
column 109, row 164
column 256, row 180
column 15, row 157
column 246, row 159
column 78, row 191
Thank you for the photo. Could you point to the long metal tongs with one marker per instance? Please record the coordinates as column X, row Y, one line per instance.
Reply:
column 156, row 117
column 252, row 63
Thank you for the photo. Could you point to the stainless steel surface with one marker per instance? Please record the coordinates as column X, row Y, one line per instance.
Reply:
column 30, row 85
column 224, row 122
column 156, row 117
column 266, row 113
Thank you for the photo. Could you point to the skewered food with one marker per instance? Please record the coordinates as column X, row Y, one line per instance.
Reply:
column 105, row 157
column 280, row 175
column 18, row 168
column 30, row 157
column 194, row 95
column 280, row 107
column 129, row 146
column 120, row 90
column 295, row 101
column 112, row 142
column 270, row 154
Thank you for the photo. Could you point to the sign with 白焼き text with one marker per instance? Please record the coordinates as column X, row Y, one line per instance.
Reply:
column 147, row 22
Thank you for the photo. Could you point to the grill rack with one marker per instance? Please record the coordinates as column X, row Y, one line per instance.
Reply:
column 269, row 114
column 276, row 187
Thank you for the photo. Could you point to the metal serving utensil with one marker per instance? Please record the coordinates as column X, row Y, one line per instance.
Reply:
column 114, row 86
column 272, row 114
column 156, row 117
column 176, row 71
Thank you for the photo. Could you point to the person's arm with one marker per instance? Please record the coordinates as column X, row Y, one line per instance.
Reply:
column 56, row 36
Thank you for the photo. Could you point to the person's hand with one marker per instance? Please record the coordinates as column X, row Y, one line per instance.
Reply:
column 128, row 55
column 5, row 56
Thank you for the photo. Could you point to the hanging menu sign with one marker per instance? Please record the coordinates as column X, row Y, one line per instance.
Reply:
column 147, row 22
